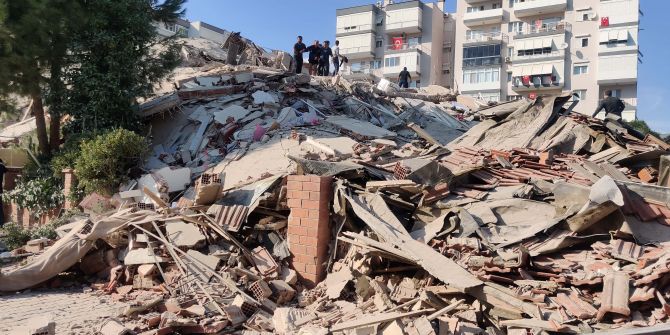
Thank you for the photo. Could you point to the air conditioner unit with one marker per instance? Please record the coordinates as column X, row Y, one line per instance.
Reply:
column 508, row 59
column 592, row 16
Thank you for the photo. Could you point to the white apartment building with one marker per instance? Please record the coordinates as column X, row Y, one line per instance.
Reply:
column 383, row 38
column 184, row 28
column 506, row 49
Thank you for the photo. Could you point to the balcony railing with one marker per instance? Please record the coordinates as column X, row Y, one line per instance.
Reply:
column 489, row 16
column 553, row 53
column 482, row 61
column 404, row 46
column 403, row 24
column 486, row 37
column 354, row 50
column 544, row 29
column 353, row 29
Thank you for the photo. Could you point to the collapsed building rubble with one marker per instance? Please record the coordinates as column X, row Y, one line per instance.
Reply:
column 280, row 203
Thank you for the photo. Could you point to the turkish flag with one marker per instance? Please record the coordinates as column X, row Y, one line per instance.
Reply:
column 532, row 95
column 397, row 43
column 605, row 21
column 526, row 80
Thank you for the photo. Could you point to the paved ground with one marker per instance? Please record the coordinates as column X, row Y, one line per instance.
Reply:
column 75, row 312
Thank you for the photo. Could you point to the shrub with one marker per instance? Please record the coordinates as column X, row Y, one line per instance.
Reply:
column 104, row 162
column 15, row 236
column 38, row 195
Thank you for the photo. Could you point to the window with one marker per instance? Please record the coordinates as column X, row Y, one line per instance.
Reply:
column 510, row 52
column 379, row 20
column 473, row 35
column 355, row 67
column 481, row 75
column 579, row 94
column 585, row 42
column 392, row 61
column 473, row 9
column 413, row 41
column 580, row 69
column 515, row 27
column 482, row 55
column 495, row 6
column 379, row 43
column 615, row 93
column 509, row 77
column 375, row 64
column 513, row 97
column 585, row 17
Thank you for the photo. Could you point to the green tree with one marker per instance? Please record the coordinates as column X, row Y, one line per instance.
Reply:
column 642, row 127
column 33, row 48
column 119, row 59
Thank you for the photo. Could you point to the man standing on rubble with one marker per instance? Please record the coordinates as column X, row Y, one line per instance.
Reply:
column 324, row 59
column 3, row 169
column 298, row 49
column 313, row 58
column 404, row 77
column 612, row 105
column 336, row 58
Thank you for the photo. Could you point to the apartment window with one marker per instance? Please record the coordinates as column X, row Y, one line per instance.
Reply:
column 375, row 64
column 413, row 41
column 513, row 97
column 580, row 69
column 379, row 20
column 475, row 9
column 615, row 93
column 585, row 42
column 379, row 43
column 392, row 61
column 473, row 35
column 515, row 27
column 481, row 75
column 496, row 6
column 510, row 52
column 486, row 96
column 482, row 55
column 356, row 67
column 509, row 77
column 585, row 17
column 579, row 94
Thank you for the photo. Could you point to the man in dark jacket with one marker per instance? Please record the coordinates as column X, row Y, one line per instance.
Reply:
column 324, row 59
column 612, row 105
column 404, row 77
column 3, row 169
column 298, row 49
column 313, row 59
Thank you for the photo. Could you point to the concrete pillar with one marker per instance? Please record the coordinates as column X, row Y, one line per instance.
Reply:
column 308, row 198
column 68, row 182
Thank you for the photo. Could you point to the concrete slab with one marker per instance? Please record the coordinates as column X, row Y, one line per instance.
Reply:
column 358, row 127
column 176, row 179
column 209, row 262
column 262, row 97
column 142, row 256
column 184, row 234
column 342, row 147
column 235, row 112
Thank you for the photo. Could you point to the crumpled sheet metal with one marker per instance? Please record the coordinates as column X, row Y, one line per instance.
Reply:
column 68, row 250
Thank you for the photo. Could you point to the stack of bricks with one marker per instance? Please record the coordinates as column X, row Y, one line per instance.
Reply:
column 308, row 198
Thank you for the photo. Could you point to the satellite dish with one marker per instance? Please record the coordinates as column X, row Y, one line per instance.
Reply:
column 563, row 46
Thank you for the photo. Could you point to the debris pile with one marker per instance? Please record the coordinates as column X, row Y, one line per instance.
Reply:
column 289, row 204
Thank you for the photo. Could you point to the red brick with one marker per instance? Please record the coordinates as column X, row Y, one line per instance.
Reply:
column 299, row 267
column 294, row 185
column 313, row 214
column 306, row 259
column 307, row 222
column 313, row 232
column 302, row 195
column 294, row 203
column 298, row 230
column 310, row 204
column 311, row 186
column 299, row 249
column 301, row 178
column 293, row 220
column 311, row 250
column 300, row 212
column 308, row 240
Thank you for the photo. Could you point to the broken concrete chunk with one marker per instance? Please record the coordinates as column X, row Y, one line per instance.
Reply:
column 204, row 265
column 261, row 97
column 336, row 281
column 233, row 113
column 184, row 234
column 339, row 147
column 142, row 256
column 175, row 179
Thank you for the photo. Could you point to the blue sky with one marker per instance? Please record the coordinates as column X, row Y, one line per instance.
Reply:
column 276, row 23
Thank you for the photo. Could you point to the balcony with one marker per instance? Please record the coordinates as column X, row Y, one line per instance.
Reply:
column 358, row 52
column 410, row 59
column 485, row 38
column 408, row 27
column 545, row 56
column 617, row 69
column 539, row 7
column 399, row 48
column 361, row 28
column 491, row 16
column 531, row 30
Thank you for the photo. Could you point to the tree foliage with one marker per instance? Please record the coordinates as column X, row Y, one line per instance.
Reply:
column 106, row 161
column 119, row 59
column 642, row 127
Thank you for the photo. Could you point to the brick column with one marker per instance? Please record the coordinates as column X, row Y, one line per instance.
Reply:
column 308, row 225
column 68, row 183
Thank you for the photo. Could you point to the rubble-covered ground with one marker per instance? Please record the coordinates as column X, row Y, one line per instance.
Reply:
column 289, row 204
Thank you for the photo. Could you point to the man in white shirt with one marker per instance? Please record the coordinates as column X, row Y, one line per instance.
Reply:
column 336, row 58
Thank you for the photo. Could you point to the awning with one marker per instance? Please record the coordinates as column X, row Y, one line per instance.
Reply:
column 613, row 35
column 604, row 37
column 623, row 35
column 520, row 45
column 527, row 71
column 528, row 45
column 537, row 69
column 537, row 44
column 546, row 43
column 517, row 71
column 547, row 69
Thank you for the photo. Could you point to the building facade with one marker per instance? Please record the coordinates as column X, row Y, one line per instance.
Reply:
column 184, row 28
column 385, row 37
column 514, row 48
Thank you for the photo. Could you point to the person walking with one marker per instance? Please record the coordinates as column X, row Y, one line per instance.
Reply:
column 313, row 58
column 336, row 58
column 298, row 49
column 324, row 59
column 404, row 77
column 613, row 106
column 3, row 169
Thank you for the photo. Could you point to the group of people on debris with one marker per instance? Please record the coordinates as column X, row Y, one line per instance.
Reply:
column 319, row 57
